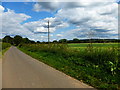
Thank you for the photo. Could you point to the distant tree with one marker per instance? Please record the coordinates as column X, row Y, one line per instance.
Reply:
column 75, row 40
column 38, row 41
column 0, row 40
column 25, row 40
column 32, row 42
column 69, row 41
column 8, row 39
column 17, row 40
column 63, row 40
column 55, row 41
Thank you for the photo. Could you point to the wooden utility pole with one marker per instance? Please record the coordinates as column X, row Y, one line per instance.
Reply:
column 48, row 33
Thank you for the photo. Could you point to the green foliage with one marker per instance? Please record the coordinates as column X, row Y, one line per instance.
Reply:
column 106, row 58
column 63, row 40
column 98, row 67
column 17, row 40
column 75, row 40
column 55, row 41
column 4, row 45
column 3, row 48
column 25, row 40
column 8, row 39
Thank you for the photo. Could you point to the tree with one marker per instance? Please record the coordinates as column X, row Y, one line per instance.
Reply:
column 38, row 41
column 8, row 39
column 0, row 40
column 17, row 40
column 55, row 41
column 63, row 40
column 75, row 40
column 32, row 42
column 25, row 40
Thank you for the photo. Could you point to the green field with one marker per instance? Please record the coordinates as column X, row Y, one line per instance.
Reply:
column 96, row 66
column 79, row 45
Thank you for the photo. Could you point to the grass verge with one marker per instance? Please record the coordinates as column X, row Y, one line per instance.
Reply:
column 3, row 51
column 3, row 48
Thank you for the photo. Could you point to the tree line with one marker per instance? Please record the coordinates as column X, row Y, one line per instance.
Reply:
column 76, row 40
column 16, row 40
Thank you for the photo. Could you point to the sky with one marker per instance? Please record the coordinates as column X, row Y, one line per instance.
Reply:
column 84, row 19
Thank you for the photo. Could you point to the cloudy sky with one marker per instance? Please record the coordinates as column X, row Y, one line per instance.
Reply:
column 96, row 19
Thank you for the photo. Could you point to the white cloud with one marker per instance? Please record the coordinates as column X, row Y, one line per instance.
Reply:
column 1, row 8
column 41, row 26
column 11, row 23
column 46, row 6
column 1, row 11
column 102, row 18
column 57, row 4
column 19, row 0
column 97, row 15
column 11, row 16
column 59, row 35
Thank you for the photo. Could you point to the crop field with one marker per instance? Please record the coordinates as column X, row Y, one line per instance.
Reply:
column 83, row 45
column 94, row 65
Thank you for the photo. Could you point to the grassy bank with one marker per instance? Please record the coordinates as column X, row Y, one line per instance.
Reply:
column 98, row 67
column 3, row 48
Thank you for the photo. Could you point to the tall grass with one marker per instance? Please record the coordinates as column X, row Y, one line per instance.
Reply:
column 3, row 48
column 98, row 67
column 5, row 45
column 106, row 58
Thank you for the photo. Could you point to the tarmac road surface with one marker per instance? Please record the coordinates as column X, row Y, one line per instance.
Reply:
column 22, row 71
